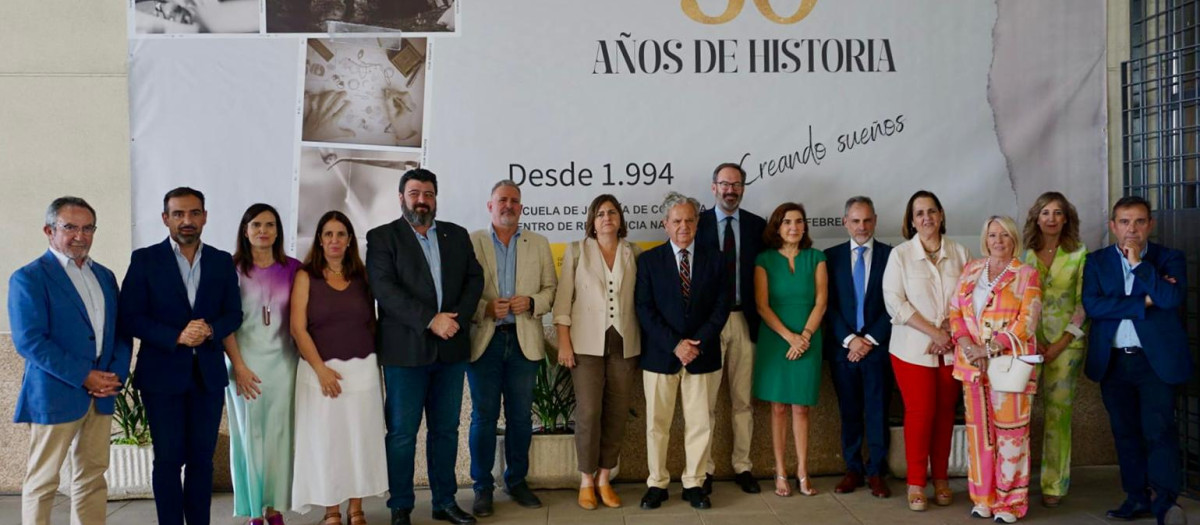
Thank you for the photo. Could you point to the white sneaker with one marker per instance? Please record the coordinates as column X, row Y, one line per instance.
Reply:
column 1006, row 517
column 981, row 511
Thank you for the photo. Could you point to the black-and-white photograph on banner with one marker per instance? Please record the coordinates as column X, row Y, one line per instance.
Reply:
column 195, row 16
column 365, row 91
column 316, row 16
column 363, row 184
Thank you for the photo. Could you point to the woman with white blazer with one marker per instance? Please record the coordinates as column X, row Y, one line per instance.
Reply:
column 599, row 340
column 920, row 279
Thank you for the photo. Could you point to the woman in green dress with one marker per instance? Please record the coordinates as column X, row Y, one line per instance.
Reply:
column 1052, row 235
column 790, row 292
column 261, row 361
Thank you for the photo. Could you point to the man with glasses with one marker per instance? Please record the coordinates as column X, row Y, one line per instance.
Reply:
column 736, row 234
column 63, row 312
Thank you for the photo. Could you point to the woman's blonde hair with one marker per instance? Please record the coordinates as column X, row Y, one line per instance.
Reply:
column 1010, row 226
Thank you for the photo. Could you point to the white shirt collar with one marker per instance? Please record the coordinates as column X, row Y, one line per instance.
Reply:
column 677, row 249
column 64, row 260
column 870, row 244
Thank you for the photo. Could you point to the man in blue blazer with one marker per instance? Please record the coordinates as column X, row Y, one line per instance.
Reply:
column 860, row 328
column 737, row 235
column 682, row 305
column 180, row 298
column 62, row 308
column 1138, row 351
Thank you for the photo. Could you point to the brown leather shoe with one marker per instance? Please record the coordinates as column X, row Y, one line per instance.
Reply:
column 879, row 487
column 609, row 496
column 587, row 498
column 849, row 482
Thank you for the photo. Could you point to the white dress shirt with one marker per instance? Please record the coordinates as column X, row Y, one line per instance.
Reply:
column 89, row 290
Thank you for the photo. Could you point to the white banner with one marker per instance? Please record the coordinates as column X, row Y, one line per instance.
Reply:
column 986, row 103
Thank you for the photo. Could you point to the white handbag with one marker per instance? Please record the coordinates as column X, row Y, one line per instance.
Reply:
column 1007, row 373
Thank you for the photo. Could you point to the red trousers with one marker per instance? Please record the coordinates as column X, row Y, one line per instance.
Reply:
column 930, row 396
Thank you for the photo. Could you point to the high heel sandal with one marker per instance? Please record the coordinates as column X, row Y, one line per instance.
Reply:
column 332, row 519
column 803, row 488
column 787, row 486
column 357, row 518
column 917, row 501
column 942, row 494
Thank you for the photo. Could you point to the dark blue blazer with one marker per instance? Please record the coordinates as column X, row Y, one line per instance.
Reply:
column 841, row 316
column 155, row 309
column 664, row 319
column 52, row 331
column 750, row 231
column 1159, row 327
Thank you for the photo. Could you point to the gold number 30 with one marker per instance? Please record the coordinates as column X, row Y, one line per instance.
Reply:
column 692, row 9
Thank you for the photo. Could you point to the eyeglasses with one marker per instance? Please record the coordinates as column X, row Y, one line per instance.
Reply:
column 731, row 185
column 72, row 229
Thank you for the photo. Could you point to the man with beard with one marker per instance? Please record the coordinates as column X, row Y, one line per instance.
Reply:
column 181, row 364
column 737, row 235
column 63, row 311
column 507, row 344
column 427, row 282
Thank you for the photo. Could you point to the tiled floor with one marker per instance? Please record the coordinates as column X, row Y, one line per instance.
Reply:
column 1094, row 489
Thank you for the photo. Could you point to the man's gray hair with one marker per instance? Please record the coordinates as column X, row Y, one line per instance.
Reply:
column 58, row 204
column 859, row 199
column 505, row 182
column 674, row 199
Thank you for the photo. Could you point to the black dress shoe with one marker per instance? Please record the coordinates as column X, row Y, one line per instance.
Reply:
column 483, row 503
column 748, row 483
column 654, row 498
column 696, row 498
column 401, row 516
column 524, row 497
column 708, row 480
column 1129, row 510
column 454, row 515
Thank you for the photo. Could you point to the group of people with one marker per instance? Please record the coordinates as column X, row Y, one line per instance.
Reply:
column 329, row 365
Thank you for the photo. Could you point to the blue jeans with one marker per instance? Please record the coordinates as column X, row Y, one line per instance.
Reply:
column 501, row 370
column 435, row 389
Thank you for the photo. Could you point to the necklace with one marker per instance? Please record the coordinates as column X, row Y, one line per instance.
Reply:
column 991, row 283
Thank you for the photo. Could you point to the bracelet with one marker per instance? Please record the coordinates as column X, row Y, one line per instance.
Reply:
column 806, row 333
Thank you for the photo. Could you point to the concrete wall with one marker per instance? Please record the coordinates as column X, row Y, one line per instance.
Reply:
column 64, row 130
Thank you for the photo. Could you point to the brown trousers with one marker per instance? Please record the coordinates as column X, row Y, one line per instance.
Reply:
column 602, row 395
column 49, row 446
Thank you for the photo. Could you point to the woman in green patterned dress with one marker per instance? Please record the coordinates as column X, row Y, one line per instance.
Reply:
column 790, row 292
column 1052, row 235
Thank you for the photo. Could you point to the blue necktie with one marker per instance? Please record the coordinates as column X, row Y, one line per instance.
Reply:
column 860, row 286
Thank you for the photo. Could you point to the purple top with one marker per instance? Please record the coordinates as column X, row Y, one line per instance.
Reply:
column 340, row 321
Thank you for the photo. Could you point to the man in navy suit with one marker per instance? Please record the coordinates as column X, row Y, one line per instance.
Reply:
column 860, row 327
column 738, row 236
column 1138, row 351
column 682, row 305
column 180, row 298
column 63, row 311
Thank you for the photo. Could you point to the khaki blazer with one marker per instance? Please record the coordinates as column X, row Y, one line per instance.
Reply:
column 535, row 278
column 582, row 296
column 912, row 285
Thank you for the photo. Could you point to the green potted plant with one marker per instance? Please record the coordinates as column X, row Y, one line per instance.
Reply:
column 131, row 458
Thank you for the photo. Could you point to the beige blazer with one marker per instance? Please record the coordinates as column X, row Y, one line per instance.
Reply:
column 912, row 284
column 583, row 294
column 535, row 278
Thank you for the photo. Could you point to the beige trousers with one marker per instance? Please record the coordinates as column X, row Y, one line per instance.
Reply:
column 737, row 358
column 48, row 448
column 661, row 391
